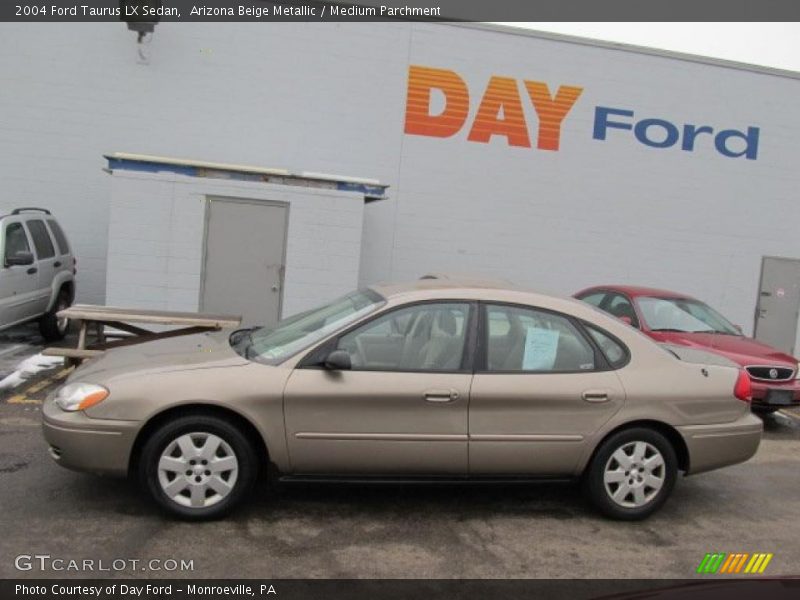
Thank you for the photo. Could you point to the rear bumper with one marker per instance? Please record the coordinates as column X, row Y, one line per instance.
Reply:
column 714, row 446
column 83, row 444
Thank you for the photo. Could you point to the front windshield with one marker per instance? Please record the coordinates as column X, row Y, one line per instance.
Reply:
column 684, row 315
column 272, row 345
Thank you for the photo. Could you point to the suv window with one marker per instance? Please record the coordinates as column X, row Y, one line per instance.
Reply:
column 41, row 239
column 16, row 240
column 423, row 337
column 61, row 239
column 535, row 341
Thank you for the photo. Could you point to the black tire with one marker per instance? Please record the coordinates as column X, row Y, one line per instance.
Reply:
column 49, row 326
column 167, row 434
column 600, row 496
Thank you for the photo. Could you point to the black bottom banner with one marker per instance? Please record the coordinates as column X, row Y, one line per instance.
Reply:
column 397, row 589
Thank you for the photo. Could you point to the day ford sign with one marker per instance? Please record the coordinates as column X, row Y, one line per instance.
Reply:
column 500, row 112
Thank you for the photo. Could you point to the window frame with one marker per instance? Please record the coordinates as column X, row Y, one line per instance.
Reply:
column 606, row 307
column 587, row 325
column 316, row 357
column 56, row 235
column 32, row 236
column 601, row 364
column 26, row 233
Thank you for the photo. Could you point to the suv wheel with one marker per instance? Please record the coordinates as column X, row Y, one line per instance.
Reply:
column 51, row 327
column 632, row 474
column 198, row 467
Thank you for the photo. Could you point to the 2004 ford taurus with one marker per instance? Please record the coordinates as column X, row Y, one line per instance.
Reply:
column 428, row 380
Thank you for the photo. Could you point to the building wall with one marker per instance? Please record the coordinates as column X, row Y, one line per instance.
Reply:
column 157, row 229
column 331, row 98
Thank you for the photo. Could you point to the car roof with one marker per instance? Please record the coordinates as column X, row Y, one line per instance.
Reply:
column 468, row 288
column 634, row 291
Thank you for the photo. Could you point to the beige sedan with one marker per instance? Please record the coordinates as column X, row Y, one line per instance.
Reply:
column 430, row 380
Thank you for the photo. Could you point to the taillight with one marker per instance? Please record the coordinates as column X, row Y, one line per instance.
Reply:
column 742, row 390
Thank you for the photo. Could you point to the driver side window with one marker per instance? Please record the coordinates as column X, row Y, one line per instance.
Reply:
column 16, row 241
column 423, row 337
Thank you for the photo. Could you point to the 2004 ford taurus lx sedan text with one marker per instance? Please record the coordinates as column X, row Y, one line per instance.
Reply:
column 433, row 379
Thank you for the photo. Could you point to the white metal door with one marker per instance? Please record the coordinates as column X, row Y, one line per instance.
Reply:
column 244, row 259
column 778, row 303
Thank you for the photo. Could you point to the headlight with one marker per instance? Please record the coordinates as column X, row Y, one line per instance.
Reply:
column 80, row 396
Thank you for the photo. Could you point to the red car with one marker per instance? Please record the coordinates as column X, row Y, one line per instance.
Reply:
column 673, row 318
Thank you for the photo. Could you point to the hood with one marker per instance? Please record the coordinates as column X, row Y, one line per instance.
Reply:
column 182, row 353
column 742, row 350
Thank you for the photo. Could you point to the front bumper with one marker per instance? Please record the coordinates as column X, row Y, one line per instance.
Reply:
column 84, row 444
column 714, row 446
column 767, row 395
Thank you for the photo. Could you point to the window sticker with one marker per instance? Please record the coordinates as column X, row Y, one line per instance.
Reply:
column 541, row 346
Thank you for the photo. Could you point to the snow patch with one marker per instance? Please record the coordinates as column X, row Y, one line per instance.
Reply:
column 29, row 367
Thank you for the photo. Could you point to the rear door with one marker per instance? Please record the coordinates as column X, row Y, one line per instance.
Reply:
column 64, row 262
column 541, row 388
column 18, row 283
column 402, row 408
column 45, row 262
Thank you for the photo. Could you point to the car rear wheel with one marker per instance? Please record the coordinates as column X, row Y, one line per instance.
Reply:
column 632, row 474
column 51, row 326
column 198, row 467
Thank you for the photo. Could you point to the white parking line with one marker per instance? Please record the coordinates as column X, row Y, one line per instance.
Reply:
column 789, row 416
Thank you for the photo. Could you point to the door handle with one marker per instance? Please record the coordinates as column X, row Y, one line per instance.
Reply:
column 57, row 264
column 31, row 271
column 440, row 395
column 595, row 396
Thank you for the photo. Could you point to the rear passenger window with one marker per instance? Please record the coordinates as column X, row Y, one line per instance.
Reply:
column 61, row 239
column 41, row 240
column 616, row 354
column 528, row 340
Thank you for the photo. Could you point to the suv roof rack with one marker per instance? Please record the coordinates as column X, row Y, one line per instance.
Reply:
column 17, row 211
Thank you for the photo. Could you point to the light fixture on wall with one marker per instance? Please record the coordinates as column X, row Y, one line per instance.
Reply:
column 133, row 13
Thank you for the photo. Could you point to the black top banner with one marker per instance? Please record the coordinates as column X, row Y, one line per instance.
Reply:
column 368, row 10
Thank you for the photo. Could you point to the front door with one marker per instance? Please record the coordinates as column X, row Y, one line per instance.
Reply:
column 778, row 303
column 400, row 410
column 539, row 394
column 244, row 259
column 45, row 262
column 18, row 283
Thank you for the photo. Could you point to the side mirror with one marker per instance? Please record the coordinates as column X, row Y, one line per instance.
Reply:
column 338, row 360
column 626, row 320
column 20, row 259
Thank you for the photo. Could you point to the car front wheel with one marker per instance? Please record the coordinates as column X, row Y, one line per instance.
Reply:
column 632, row 474
column 198, row 467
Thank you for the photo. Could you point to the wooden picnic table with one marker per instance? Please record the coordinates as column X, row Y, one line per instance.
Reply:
column 100, row 317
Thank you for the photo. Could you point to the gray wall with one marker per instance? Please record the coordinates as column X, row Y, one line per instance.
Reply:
column 331, row 98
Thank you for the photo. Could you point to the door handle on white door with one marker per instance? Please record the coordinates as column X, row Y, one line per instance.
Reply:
column 596, row 396
column 440, row 395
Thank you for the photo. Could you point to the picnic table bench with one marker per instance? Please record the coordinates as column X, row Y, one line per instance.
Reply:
column 121, row 320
